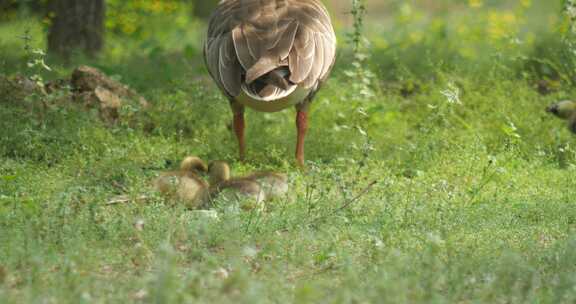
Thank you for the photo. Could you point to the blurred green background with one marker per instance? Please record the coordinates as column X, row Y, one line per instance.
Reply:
column 441, row 102
column 408, row 33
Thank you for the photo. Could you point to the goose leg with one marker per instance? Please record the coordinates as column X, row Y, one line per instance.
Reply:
column 239, row 125
column 302, row 127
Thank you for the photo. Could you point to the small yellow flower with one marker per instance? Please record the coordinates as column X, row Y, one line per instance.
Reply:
column 526, row 3
column 416, row 37
column 156, row 7
column 462, row 29
column 475, row 3
column 381, row 42
column 509, row 18
column 502, row 25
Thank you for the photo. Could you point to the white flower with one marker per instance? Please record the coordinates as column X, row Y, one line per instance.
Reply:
column 452, row 93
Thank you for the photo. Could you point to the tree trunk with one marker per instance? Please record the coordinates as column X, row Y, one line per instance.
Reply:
column 77, row 26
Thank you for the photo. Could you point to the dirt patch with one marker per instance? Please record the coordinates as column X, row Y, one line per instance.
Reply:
column 86, row 86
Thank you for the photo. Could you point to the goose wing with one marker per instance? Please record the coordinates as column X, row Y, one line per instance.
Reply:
column 249, row 38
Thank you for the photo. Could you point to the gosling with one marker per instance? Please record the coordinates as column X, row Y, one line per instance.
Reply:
column 565, row 110
column 255, row 188
column 185, row 185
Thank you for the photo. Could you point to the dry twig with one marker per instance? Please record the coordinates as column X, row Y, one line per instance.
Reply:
column 126, row 199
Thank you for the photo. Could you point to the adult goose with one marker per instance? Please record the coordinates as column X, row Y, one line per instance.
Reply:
column 269, row 55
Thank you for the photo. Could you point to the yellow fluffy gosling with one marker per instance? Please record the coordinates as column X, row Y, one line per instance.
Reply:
column 185, row 185
column 256, row 188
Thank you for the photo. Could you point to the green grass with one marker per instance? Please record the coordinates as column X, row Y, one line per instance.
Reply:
column 474, row 202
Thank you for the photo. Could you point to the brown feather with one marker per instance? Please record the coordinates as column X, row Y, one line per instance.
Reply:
column 329, row 57
column 284, row 39
column 267, row 90
column 230, row 70
column 254, row 37
column 277, row 79
column 262, row 67
column 302, row 56
column 242, row 51
column 318, row 63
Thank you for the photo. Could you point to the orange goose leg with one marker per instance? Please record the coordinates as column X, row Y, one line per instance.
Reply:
column 302, row 126
column 239, row 125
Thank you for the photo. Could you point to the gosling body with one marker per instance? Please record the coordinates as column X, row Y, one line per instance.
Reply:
column 257, row 187
column 185, row 185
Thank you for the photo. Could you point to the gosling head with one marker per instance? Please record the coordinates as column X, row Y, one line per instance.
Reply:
column 564, row 109
column 219, row 171
column 193, row 163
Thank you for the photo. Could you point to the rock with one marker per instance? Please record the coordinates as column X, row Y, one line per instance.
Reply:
column 93, row 88
column 87, row 86
column 109, row 104
column 88, row 79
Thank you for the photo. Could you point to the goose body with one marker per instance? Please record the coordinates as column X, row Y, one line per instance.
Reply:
column 274, row 105
column 269, row 55
column 565, row 110
column 184, row 184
